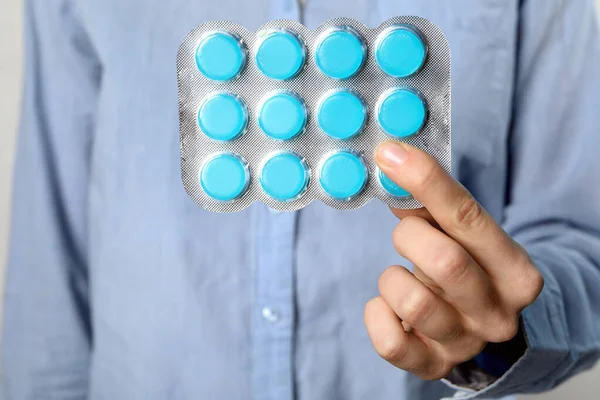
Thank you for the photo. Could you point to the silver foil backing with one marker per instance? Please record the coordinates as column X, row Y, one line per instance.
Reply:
column 432, row 82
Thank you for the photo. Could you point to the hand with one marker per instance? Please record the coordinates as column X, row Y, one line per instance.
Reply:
column 470, row 283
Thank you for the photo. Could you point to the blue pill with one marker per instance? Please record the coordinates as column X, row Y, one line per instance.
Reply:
column 220, row 56
column 225, row 177
column 282, row 115
column 222, row 116
column 340, row 53
column 401, row 112
column 341, row 114
column 284, row 177
column 343, row 175
column 280, row 55
column 391, row 187
column 400, row 51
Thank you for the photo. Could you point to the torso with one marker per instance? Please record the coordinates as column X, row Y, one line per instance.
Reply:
column 177, row 292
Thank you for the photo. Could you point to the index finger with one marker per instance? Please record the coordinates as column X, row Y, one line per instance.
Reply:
column 451, row 206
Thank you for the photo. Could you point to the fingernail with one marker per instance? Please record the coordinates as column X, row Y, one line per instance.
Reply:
column 391, row 154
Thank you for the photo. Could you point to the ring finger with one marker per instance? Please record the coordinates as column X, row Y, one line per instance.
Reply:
column 465, row 284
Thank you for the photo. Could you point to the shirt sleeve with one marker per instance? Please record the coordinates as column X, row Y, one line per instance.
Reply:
column 553, row 204
column 46, row 327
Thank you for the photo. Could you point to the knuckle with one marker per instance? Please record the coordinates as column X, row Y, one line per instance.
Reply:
column 405, row 225
column 537, row 284
column 466, row 349
column 530, row 288
column 454, row 332
column 507, row 331
column 451, row 263
column 444, row 371
column 438, row 371
column 372, row 306
column 469, row 214
column 374, row 311
column 427, row 175
column 386, row 276
column 418, row 307
column 391, row 348
column 503, row 330
column 398, row 235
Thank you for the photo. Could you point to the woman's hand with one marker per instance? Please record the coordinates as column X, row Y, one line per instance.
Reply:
column 470, row 283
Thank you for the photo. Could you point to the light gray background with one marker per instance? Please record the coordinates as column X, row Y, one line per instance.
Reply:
column 583, row 387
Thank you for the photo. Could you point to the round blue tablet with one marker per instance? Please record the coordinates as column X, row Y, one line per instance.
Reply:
column 341, row 114
column 280, row 55
column 389, row 186
column 343, row 175
column 400, row 51
column 284, row 176
column 401, row 112
column 222, row 116
column 220, row 56
column 340, row 53
column 224, row 177
column 282, row 115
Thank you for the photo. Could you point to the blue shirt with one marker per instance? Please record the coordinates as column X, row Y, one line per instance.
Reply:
column 119, row 287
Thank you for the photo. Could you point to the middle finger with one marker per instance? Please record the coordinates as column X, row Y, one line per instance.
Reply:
column 463, row 281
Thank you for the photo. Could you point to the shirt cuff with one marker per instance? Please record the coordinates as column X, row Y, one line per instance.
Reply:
column 538, row 369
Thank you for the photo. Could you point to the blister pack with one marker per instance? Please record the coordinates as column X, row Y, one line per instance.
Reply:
column 287, row 115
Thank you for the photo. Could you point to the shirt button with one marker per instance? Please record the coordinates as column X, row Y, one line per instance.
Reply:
column 271, row 315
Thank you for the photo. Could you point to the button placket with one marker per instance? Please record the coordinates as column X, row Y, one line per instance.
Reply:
column 273, row 315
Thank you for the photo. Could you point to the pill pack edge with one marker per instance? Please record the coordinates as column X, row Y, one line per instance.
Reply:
column 433, row 82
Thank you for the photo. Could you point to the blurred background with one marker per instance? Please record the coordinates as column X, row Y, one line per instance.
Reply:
column 584, row 387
